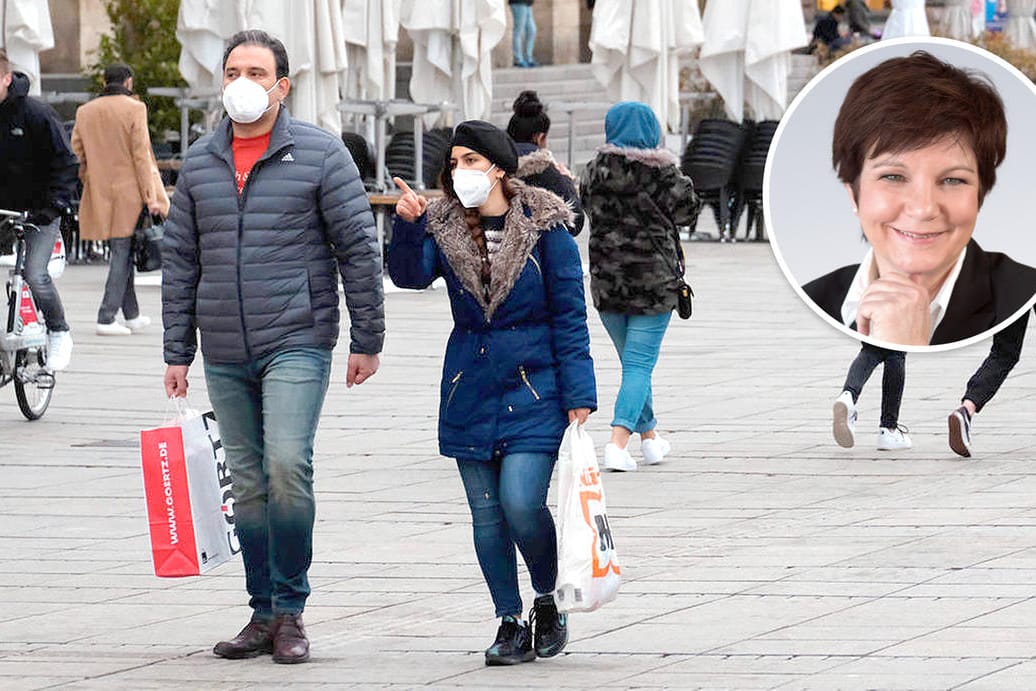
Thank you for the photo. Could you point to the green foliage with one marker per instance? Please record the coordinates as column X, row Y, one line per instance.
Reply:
column 143, row 36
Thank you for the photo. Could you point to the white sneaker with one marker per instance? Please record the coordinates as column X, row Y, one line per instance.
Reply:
column 618, row 459
column 59, row 350
column 843, row 424
column 113, row 329
column 893, row 439
column 654, row 449
column 139, row 324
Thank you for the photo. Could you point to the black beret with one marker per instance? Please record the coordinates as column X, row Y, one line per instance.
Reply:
column 488, row 140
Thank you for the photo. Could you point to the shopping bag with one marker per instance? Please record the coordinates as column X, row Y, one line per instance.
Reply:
column 588, row 567
column 190, row 502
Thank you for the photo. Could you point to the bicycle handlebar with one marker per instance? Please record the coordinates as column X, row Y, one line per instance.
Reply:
column 20, row 215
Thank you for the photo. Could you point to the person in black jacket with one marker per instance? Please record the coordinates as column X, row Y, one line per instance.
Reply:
column 38, row 175
column 987, row 380
column 827, row 31
column 536, row 165
column 268, row 212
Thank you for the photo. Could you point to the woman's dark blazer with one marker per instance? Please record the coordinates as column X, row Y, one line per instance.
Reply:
column 991, row 287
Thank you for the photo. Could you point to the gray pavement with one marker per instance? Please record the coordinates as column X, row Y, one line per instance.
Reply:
column 758, row 556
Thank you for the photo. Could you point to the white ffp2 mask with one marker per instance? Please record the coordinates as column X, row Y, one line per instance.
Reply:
column 245, row 101
column 472, row 186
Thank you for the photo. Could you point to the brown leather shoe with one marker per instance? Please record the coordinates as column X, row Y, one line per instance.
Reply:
column 290, row 644
column 254, row 639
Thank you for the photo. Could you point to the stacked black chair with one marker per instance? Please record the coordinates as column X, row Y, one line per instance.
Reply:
column 750, row 177
column 363, row 157
column 711, row 161
column 399, row 155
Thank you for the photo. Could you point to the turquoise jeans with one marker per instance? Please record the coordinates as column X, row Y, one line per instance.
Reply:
column 523, row 38
column 637, row 339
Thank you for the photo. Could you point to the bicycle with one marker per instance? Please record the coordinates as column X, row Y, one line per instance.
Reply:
column 23, row 343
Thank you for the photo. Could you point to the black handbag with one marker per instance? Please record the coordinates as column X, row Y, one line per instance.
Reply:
column 147, row 242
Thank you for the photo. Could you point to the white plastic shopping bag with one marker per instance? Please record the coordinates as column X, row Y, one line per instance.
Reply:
column 190, row 504
column 588, row 567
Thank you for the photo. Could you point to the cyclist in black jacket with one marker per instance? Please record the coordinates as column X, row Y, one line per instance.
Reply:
column 38, row 175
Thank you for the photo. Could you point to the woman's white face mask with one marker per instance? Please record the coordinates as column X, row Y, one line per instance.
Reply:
column 472, row 186
column 245, row 101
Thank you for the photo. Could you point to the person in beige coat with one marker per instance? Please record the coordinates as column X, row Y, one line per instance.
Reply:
column 120, row 178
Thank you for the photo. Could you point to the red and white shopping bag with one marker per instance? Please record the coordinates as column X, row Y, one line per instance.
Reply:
column 588, row 567
column 190, row 504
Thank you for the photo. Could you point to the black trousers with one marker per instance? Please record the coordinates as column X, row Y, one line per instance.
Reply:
column 892, row 380
column 1003, row 356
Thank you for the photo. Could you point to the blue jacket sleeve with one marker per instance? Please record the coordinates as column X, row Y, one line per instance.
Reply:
column 412, row 254
column 570, row 338
column 180, row 274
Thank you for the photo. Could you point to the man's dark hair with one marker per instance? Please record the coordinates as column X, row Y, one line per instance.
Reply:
column 837, row 9
column 257, row 37
column 5, row 64
column 117, row 73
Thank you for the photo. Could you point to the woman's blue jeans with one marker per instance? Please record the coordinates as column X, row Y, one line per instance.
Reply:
column 508, row 501
column 523, row 37
column 638, row 340
column 267, row 410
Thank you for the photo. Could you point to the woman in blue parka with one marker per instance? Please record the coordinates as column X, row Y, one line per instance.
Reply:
column 517, row 369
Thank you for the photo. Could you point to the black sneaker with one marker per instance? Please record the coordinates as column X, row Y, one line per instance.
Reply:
column 550, row 626
column 513, row 644
column 960, row 432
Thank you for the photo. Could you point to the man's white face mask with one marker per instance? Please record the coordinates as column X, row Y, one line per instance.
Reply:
column 245, row 101
column 472, row 186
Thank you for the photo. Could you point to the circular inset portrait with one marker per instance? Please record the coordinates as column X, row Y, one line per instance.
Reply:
column 898, row 193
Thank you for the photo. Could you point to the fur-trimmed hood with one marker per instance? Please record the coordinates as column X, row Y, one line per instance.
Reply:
column 625, row 171
column 533, row 211
column 656, row 158
column 535, row 162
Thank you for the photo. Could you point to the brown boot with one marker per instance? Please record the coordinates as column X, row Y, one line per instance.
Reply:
column 290, row 644
column 254, row 639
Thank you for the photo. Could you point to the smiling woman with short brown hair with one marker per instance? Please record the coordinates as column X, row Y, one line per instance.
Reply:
column 916, row 143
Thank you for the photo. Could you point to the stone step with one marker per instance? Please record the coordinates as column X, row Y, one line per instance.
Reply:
column 517, row 77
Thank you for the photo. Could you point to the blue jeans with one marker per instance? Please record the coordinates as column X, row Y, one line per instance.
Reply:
column 268, row 411
column 38, row 249
column 508, row 501
column 637, row 339
column 523, row 38
column 118, row 289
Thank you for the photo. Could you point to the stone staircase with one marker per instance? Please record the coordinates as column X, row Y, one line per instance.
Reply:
column 559, row 86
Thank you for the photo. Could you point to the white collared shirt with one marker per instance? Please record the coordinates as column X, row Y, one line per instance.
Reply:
column 868, row 271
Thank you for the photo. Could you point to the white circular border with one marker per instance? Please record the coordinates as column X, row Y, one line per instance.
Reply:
column 919, row 42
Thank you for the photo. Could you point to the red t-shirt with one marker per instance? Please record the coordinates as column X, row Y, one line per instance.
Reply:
column 246, row 153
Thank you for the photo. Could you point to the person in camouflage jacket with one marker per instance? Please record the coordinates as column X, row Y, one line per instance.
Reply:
column 635, row 197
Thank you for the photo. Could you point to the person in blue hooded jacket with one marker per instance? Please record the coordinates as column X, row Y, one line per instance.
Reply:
column 635, row 196
column 517, row 369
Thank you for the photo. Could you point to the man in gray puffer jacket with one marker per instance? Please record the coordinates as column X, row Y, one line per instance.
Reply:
column 267, row 211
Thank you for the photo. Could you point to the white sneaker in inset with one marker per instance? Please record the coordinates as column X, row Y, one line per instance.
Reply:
column 893, row 439
column 59, row 350
column 138, row 324
column 654, row 449
column 113, row 329
column 618, row 459
column 843, row 420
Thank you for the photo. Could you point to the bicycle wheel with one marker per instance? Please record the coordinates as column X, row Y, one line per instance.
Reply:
column 33, row 385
